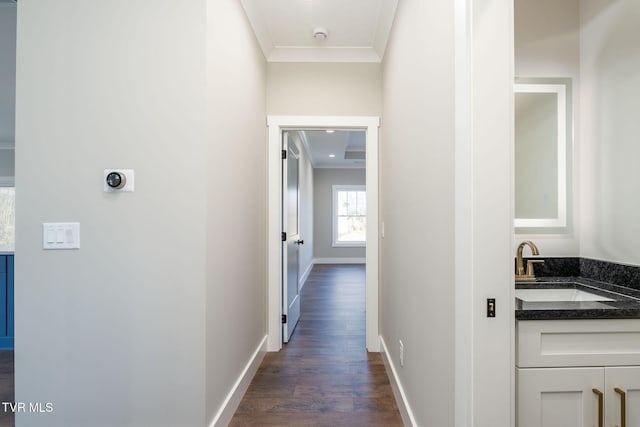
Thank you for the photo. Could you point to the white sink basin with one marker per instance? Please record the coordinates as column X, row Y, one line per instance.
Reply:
column 557, row 295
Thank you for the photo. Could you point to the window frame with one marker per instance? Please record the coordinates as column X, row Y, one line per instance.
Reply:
column 9, row 182
column 335, row 189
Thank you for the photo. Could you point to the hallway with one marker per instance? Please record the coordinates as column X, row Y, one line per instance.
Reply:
column 324, row 376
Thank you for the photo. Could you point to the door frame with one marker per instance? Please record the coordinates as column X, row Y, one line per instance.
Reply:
column 276, row 124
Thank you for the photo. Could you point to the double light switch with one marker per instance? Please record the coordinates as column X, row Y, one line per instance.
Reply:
column 61, row 235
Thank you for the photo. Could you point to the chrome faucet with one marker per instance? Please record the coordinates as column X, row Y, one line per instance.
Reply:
column 529, row 275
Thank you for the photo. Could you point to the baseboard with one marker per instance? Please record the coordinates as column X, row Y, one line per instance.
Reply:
column 304, row 276
column 230, row 404
column 401, row 399
column 339, row 260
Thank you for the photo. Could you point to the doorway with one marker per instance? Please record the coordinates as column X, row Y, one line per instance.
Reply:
column 277, row 125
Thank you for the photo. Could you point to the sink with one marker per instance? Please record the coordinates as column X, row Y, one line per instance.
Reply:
column 558, row 295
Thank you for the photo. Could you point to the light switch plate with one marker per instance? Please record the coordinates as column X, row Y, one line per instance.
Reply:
column 60, row 235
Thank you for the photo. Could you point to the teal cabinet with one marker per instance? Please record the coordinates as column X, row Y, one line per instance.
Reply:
column 10, row 289
column 6, row 302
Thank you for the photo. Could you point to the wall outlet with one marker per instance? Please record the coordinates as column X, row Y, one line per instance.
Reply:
column 401, row 353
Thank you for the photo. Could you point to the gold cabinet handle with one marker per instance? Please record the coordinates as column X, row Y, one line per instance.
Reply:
column 600, row 406
column 623, row 406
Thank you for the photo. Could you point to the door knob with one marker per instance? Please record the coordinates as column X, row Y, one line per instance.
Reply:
column 299, row 242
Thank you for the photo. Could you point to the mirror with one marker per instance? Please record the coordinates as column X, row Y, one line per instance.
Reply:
column 543, row 129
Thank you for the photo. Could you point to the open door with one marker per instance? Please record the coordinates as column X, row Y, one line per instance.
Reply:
column 291, row 237
column 276, row 265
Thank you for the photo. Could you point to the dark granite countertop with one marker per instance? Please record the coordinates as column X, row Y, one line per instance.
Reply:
column 625, row 304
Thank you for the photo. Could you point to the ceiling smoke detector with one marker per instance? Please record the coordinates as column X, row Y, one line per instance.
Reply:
column 320, row 33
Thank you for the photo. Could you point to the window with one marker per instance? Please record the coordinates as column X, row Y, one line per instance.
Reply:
column 7, row 219
column 349, row 215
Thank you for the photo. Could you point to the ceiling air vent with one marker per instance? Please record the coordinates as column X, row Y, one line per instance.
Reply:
column 354, row 155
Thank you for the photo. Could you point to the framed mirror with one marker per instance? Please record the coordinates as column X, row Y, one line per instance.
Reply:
column 543, row 134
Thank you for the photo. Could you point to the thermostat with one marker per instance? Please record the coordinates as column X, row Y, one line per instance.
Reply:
column 118, row 180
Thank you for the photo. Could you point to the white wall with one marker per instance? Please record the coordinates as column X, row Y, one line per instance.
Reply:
column 592, row 42
column 136, row 318
column 610, row 89
column 7, row 72
column 483, row 238
column 119, row 323
column 417, row 206
column 547, row 38
column 349, row 89
column 447, row 210
column 236, row 198
column 547, row 44
column 324, row 179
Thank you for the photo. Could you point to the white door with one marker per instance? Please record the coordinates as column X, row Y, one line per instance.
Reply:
column 291, row 237
column 559, row 397
column 622, row 396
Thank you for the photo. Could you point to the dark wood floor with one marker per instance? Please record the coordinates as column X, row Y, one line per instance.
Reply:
column 324, row 376
column 6, row 387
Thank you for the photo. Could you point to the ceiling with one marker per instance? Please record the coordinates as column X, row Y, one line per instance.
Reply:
column 357, row 30
column 347, row 147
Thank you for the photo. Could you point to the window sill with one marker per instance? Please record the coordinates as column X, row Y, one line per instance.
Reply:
column 349, row 245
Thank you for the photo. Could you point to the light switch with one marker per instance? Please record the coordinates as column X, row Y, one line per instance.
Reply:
column 68, row 237
column 61, row 235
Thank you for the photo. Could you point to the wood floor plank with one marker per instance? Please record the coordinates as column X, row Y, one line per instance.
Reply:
column 7, row 419
column 324, row 376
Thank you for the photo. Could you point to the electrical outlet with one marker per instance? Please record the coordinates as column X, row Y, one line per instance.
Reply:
column 401, row 353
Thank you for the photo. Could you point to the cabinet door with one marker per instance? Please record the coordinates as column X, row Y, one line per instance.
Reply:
column 627, row 380
column 10, row 298
column 558, row 397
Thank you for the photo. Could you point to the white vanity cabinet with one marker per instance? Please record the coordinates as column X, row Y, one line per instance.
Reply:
column 622, row 379
column 578, row 373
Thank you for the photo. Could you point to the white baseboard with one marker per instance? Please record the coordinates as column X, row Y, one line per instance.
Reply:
column 339, row 260
column 230, row 404
column 401, row 399
column 304, row 276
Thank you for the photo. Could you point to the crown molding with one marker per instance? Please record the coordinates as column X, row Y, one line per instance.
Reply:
column 324, row 54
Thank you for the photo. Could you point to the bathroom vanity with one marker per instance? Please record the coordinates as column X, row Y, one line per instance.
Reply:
column 577, row 353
